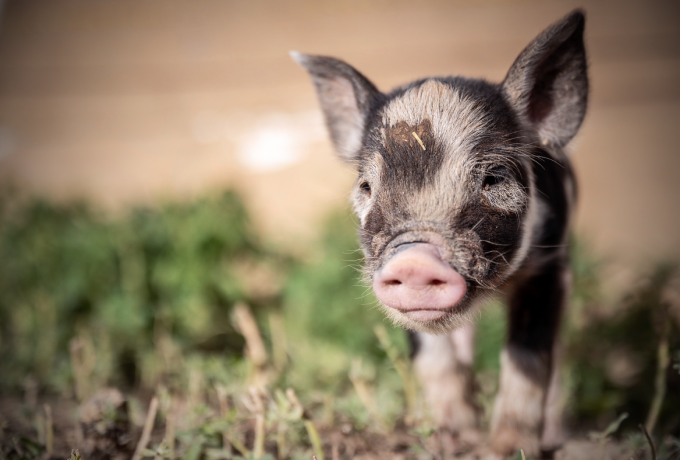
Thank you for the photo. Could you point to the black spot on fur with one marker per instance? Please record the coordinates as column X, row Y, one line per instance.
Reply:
column 535, row 309
column 373, row 225
column 414, row 342
column 500, row 233
column 405, row 160
column 551, row 176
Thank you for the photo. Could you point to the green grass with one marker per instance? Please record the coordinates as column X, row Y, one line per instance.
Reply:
column 144, row 302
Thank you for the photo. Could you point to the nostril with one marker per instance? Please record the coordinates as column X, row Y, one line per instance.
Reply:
column 393, row 282
column 437, row 282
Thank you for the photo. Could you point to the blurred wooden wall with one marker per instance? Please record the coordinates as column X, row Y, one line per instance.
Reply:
column 132, row 101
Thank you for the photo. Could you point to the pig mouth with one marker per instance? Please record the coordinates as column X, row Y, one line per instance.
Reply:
column 418, row 281
column 425, row 315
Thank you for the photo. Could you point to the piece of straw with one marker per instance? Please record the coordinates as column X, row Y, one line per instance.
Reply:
column 49, row 430
column 224, row 412
column 170, row 420
column 649, row 440
column 365, row 395
column 279, row 341
column 79, row 379
column 256, row 350
column 314, row 438
column 248, row 328
column 258, row 448
column 312, row 432
column 148, row 426
column 419, row 141
column 403, row 369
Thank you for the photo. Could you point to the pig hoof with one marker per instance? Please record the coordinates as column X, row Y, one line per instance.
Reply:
column 508, row 440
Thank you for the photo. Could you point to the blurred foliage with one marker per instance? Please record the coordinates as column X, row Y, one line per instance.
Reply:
column 144, row 301
column 68, row 272
column 328, row 310
column 612, row 358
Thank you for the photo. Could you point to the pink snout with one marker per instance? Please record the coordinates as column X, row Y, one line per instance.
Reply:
column 418, row 283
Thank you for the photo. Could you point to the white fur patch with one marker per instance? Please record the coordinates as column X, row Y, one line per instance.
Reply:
column 554, row 432
column 533, row 219
column 463, row 340
column 518, row 411
column 453, row 117
column 445, row 383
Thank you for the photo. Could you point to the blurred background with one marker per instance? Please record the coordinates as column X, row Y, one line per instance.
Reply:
column 123, row 123
column 122, row 102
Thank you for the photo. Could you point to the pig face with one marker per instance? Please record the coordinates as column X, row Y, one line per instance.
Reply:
column 445, row 188
column 443, row 196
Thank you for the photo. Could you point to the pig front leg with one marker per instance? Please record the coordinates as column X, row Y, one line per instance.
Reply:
column 443, row 364
column 535, row 306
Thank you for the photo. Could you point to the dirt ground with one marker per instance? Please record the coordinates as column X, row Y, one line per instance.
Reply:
column 340, row 443
column 127, row 102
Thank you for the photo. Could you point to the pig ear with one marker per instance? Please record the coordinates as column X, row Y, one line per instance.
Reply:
column 346, row 97
column 548, row 82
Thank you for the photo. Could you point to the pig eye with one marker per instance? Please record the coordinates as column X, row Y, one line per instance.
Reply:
column 365, row 187
column 493, row 177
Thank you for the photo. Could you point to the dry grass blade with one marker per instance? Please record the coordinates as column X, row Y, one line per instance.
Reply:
column 281, row 442
column 314, row 438
column 195, row 393
column 365, row 395
column 224, row 412
column 254, row 402
column 279, row 341
column 170, row 423
column 312, row 432
column 79, row 368
column 238, row 445
column 258, row 449
column 402, row 367
column 49, row 430
column 146, row 431
column 74, row 347
column 247, row 326
column 662, row 358
column 649, row 441
column 255, row 349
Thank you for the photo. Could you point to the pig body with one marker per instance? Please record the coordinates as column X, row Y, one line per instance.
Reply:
column 464, row 191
